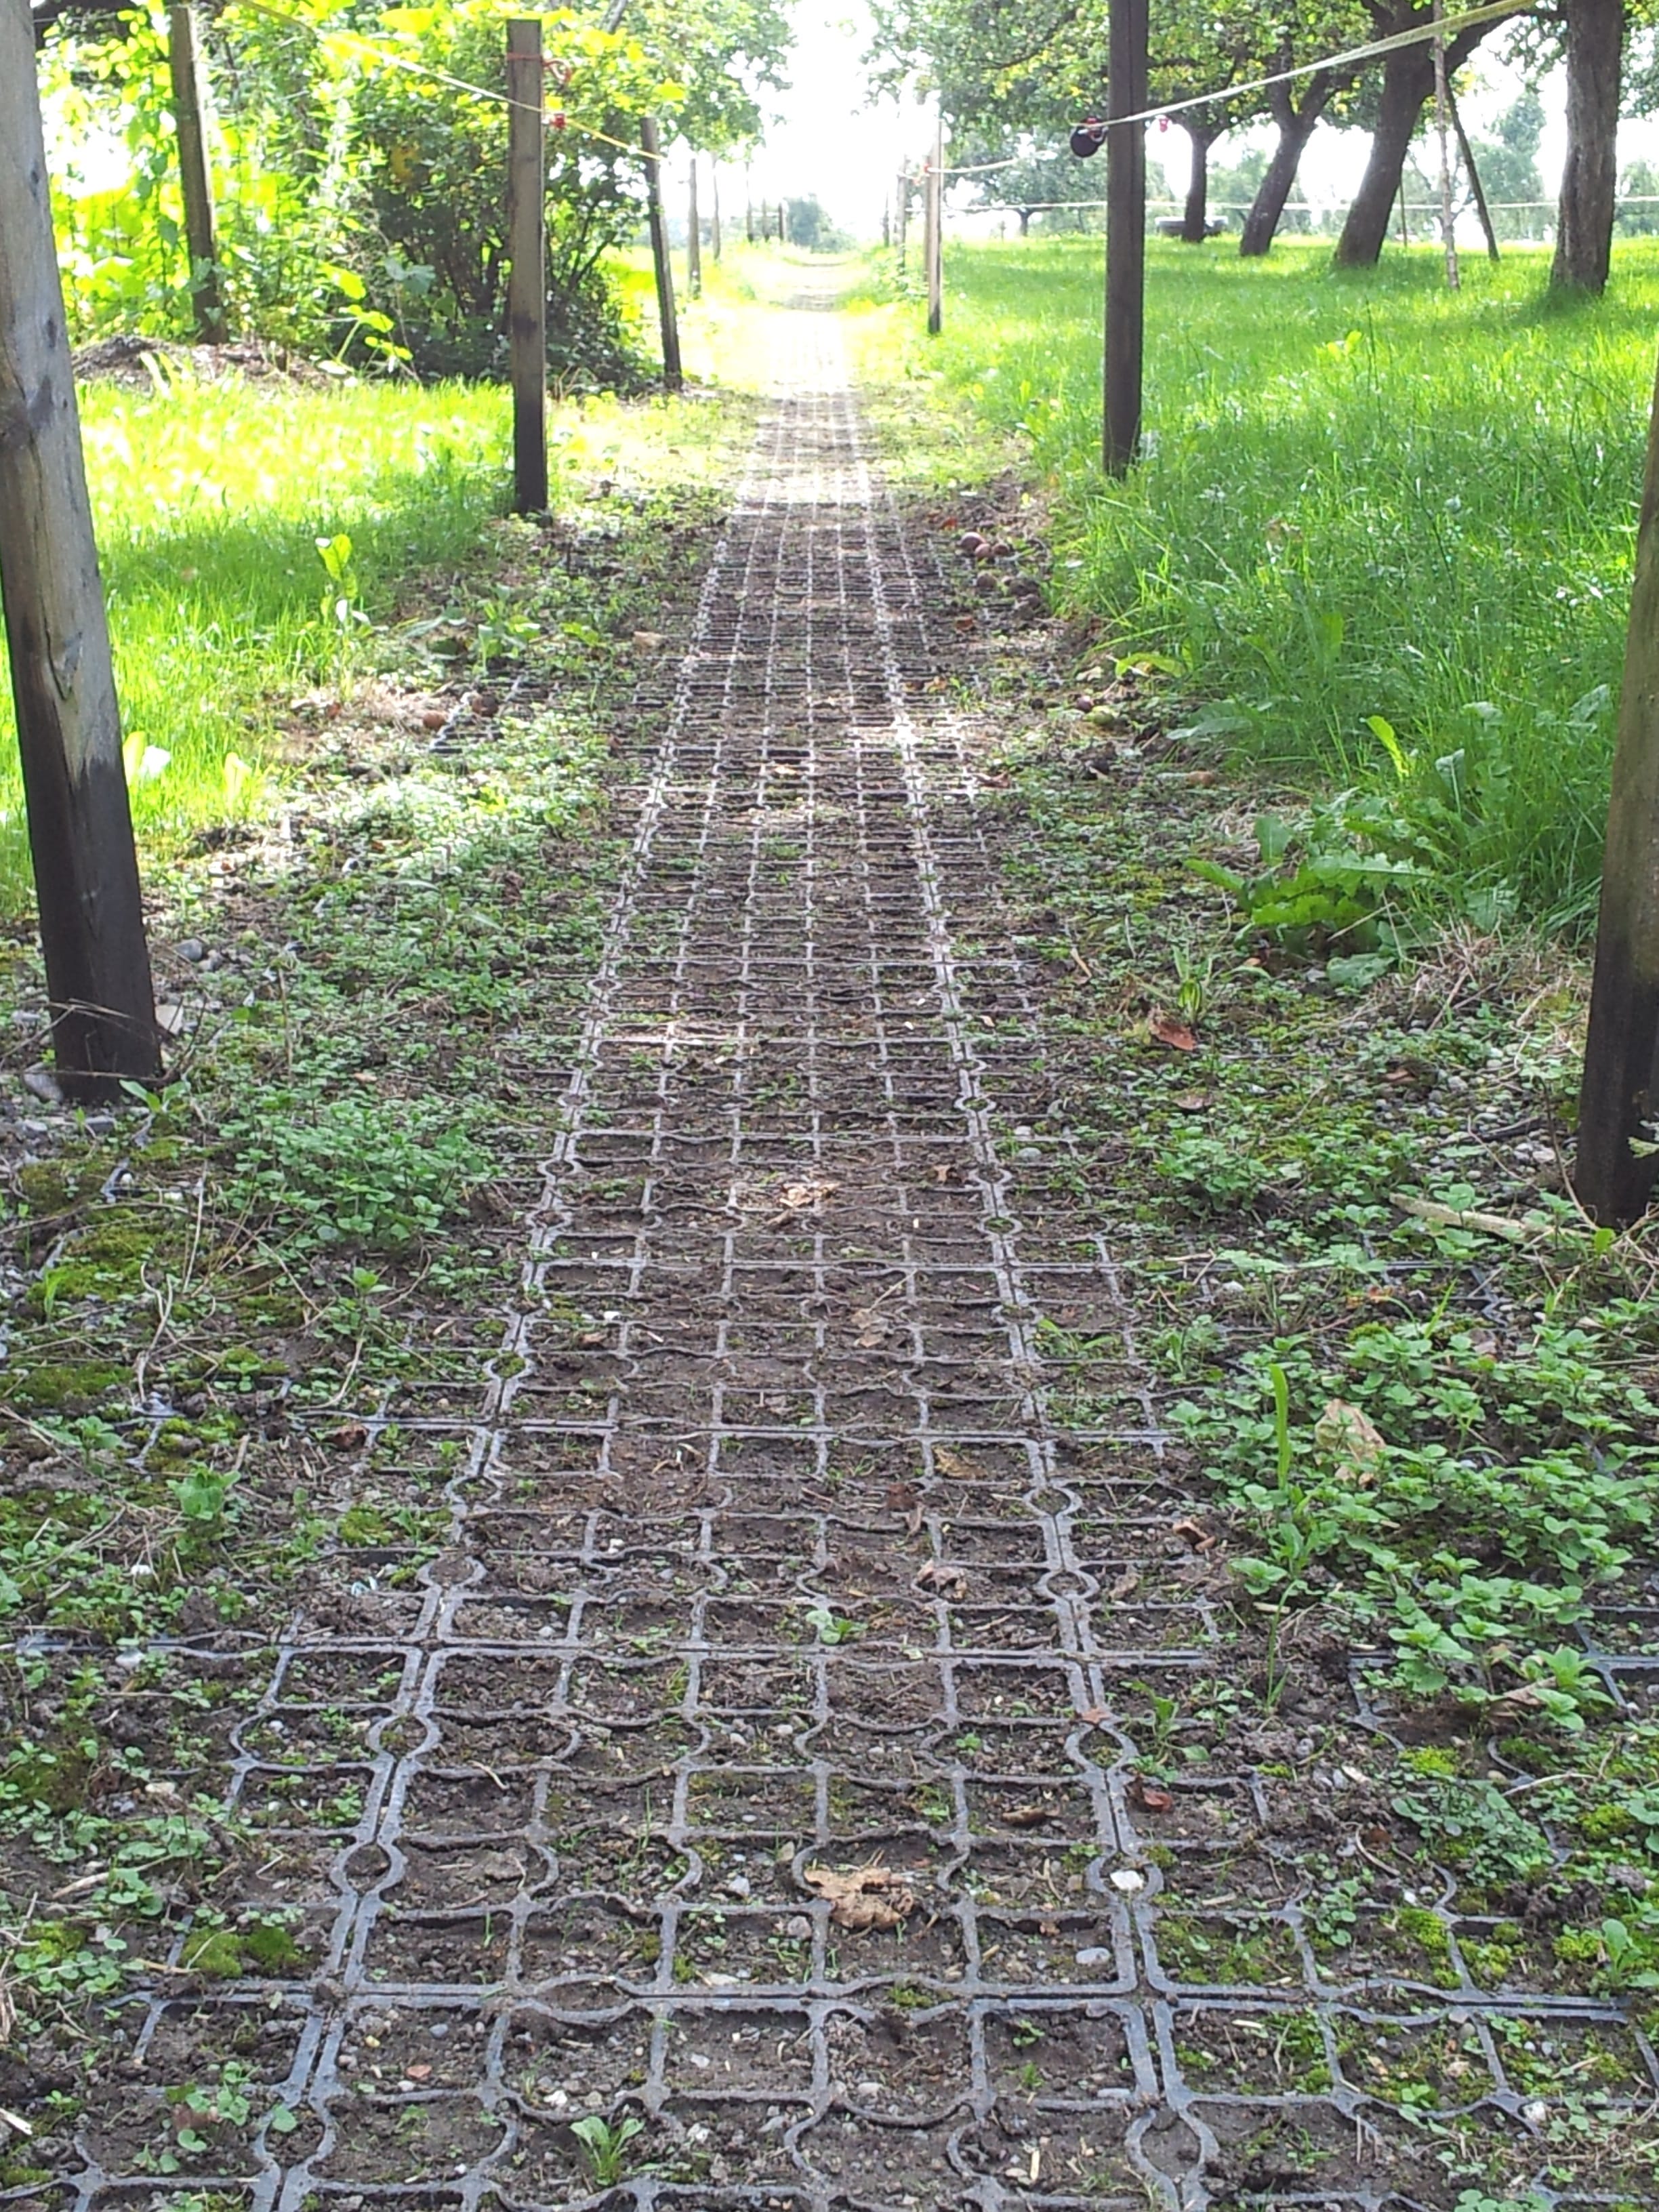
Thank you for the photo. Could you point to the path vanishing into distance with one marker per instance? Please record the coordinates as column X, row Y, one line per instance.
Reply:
column 748, row 1812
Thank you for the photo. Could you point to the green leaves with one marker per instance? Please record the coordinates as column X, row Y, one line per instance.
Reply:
column 1469, row 1546
column 380, row 1174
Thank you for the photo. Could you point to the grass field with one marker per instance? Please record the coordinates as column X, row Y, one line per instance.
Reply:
column 1362, row 498
column 209, row 500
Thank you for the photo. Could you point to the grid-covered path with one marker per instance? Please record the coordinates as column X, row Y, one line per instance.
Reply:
column 745, row 1811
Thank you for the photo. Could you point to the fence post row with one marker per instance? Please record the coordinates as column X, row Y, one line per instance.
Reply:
column 1125, row 234
column 195, row 183
column 673, row 376
column 69, row 728
column 527, row 246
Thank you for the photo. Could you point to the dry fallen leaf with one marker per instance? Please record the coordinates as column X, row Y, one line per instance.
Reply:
column 799, row 1195
column 1514, row 1704
column 1167, row 1028
column 955, row 1464
column 938, row 1579
column 1345, row 1435
column 350, row 1435
column 1151, row 1795
column 649, row 641
column 1095, row 1716
column 870, row 1897
column 1192, row 1533
column 1026, row 1816
column 1126, row 1585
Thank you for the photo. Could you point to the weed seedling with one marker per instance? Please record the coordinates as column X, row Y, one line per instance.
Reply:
column 606, row 2145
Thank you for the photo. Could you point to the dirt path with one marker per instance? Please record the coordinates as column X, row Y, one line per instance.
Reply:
column 751, row 1781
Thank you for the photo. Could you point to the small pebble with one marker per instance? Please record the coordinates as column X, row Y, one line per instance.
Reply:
column 40, row 1083
column 190, row 949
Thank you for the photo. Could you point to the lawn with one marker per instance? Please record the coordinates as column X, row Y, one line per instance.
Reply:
column 1364, row 501
column 209, row 502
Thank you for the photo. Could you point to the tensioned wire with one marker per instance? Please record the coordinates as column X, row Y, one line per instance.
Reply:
column 1352, row 57
column 1376, row 50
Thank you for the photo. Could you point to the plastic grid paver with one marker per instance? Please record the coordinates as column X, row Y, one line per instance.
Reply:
column 767, row 1554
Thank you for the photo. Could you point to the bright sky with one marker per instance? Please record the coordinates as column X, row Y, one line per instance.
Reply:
column 832, row 138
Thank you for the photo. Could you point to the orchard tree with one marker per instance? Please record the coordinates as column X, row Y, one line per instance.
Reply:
column 1406, row 83
column 1320, row 27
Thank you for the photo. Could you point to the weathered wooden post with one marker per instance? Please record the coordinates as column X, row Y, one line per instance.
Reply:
column 63, row 682
column 673, row 376
column 936, row 233
column 1620, row 1097
column 195, row 181
column 1125, row 232
column 693, row 238
column 1443, row 130
column 527, row 246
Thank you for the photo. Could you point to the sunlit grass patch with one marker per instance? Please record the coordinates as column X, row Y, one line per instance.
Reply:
column 260, row 540
column 1363, row 500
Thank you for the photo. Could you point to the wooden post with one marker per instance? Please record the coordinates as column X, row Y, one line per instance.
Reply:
column 201, row 232
column 1619, row 1096
column 63, row 682
column 527, row 246
column 673, row 376
column 1125, row 234
column 1467, row 153
column 783, row 239
column 715, row 211
column 936, row 234
column 904, row 209
column 693, row 238
column 1443, row 131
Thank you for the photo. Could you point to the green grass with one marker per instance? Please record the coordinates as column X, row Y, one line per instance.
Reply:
column 208, row 502
column 1362, row 497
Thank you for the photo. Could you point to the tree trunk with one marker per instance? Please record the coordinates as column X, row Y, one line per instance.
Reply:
column 1261, row 223
column 1197, row 212
column 1583, row 236
column 1025, row 214
column 1407, row 81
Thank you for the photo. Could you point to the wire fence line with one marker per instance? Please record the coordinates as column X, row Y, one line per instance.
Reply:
column 1449, row 26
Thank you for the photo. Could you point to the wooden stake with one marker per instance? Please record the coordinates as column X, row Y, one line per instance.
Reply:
column 1620, row 1097
column 1442, row 128
column 903, row 218
column 936, row 234
column 63, row 682
column 693, row 238
column 673, row 376
column 527, row 246
column 715, row 211
column 1125, row 234
column 201, row 232
column 1467, row 152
